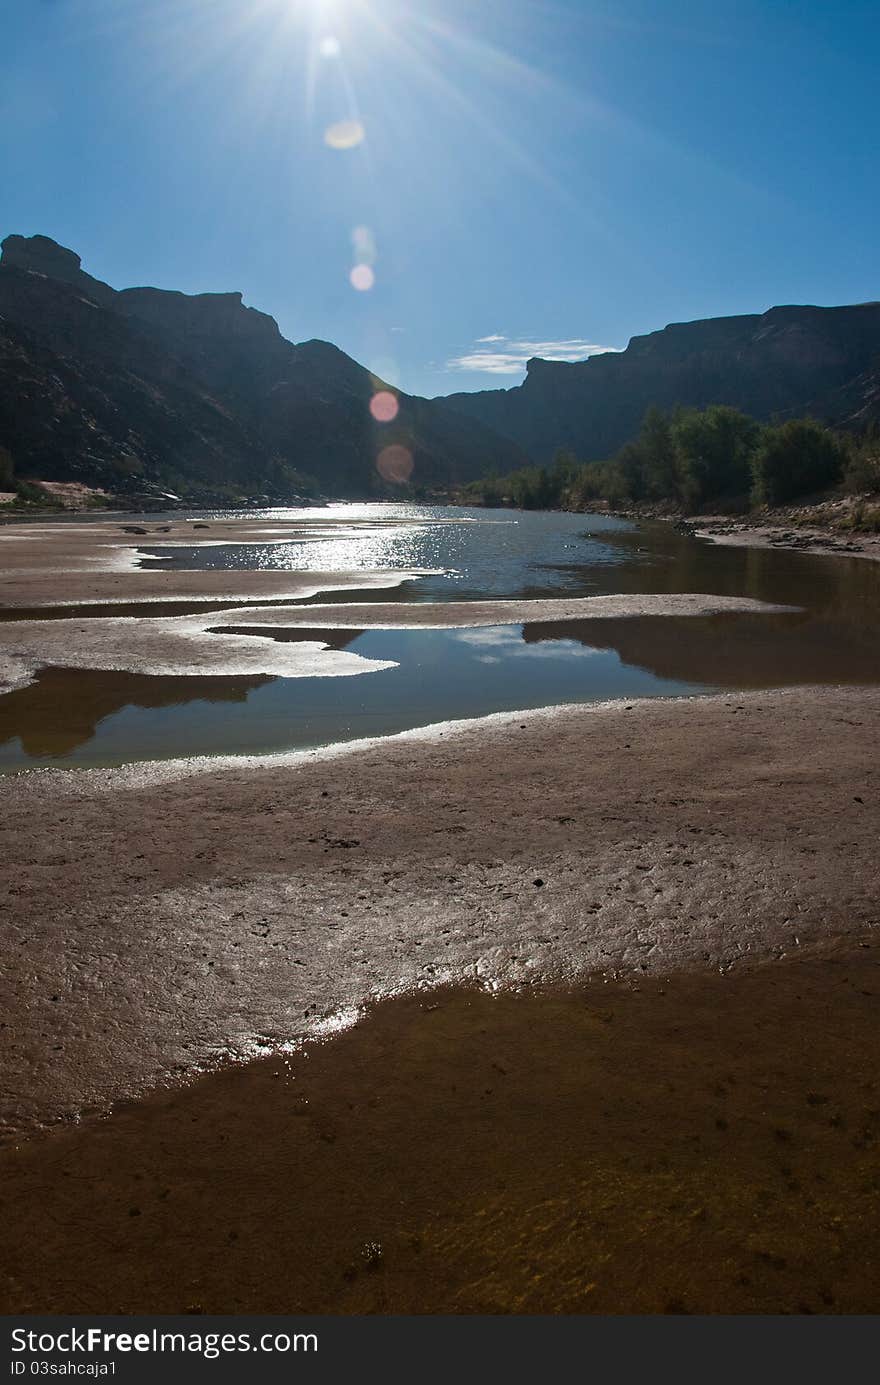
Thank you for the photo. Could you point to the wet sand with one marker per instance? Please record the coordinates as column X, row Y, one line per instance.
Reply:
column 621, row 978
column 805, row 538
column 159, row 917
column 700, row 1144
column 239, row 641
column 81, row 563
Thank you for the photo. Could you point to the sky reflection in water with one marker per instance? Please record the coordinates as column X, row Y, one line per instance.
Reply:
column 80, row 717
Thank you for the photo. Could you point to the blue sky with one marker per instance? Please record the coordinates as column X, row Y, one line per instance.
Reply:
column 506, row 177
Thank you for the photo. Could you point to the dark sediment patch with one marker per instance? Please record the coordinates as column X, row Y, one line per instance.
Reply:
column 700, row 1143
column 336, row 638
column 160, row 609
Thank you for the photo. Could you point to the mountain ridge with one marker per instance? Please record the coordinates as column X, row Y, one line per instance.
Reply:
column 146, row 387
column 790, row 360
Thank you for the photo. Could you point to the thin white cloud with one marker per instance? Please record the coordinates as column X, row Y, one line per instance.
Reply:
column 509, row 642
column 499, row 355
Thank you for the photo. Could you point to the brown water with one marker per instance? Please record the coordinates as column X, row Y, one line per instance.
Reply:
column 505, row 1161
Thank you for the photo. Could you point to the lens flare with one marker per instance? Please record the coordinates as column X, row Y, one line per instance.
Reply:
column 384, row 407
column 362, row 278
column 395, row 464
column 344, row 134
column 363, row 243
column 330, row 47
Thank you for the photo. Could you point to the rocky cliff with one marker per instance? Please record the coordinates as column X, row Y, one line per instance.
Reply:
column 145, row 387
column 780, row 364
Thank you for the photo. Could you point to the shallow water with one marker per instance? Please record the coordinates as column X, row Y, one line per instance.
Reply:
column 68, row 715
column 75, row 717
column 473, row 554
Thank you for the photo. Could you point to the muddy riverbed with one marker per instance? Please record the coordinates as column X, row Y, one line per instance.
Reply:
column 528, row 1008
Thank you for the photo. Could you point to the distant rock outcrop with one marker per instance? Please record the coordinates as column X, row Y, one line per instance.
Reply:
column 146, row 387
column 780, row 364
column 44, row 257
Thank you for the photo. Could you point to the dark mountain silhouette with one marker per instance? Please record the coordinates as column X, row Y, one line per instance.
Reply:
column 145, row 387
column 784, row 363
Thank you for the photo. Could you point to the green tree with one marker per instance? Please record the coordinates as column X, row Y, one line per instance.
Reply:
column 531, row 488
column 862, row 468
column 590, row 483
column 491, row 489
column 563, row 474
column 657, row 445
column 713, row 451
column 625, row 477
column 794, row 459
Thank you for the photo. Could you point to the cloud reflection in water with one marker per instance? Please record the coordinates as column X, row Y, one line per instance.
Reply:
column 506, row 641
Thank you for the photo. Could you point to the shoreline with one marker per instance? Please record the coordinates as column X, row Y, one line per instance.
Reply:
column 261, row 640
column 505, row 1014
column 100, row 563
column 661, row 1145
column 269, row 895
column 818, row 539
column 787, row 529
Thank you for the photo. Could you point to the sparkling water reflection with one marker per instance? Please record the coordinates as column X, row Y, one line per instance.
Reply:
column 76, row 717
column 465, row 554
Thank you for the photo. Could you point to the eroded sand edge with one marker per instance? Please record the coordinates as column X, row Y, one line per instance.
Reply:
column 160, row 917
